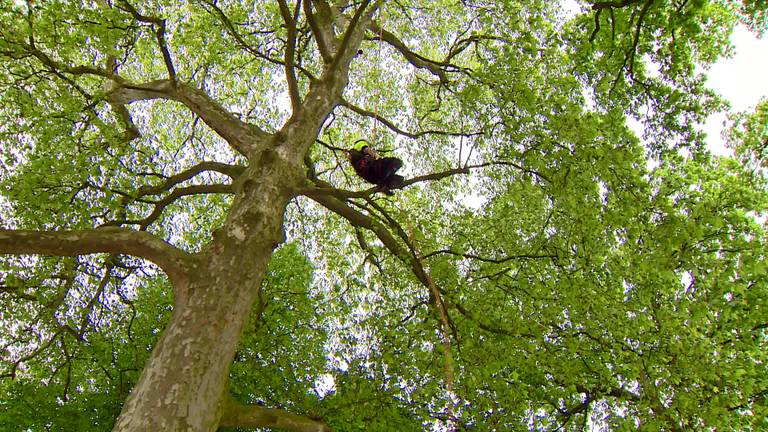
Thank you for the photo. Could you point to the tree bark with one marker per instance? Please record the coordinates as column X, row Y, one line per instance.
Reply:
column 172, row 261
column 255, row 416
column 184, row 384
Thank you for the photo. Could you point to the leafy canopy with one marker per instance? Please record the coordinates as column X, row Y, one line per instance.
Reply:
column 593, row 278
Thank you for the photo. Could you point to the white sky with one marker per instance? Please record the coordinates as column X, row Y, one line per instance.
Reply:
column 742, row 79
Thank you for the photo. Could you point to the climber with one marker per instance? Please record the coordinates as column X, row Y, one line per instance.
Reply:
column 376, row 170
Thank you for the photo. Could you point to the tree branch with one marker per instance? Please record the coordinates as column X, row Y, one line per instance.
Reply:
column 418, row 61
column 61, row 67
column 242, row 136
column 353, row 36
column 321, row 35
column 436, row 176
column 487, row 327
column 394, row 128
column 636, row 39
column 255, row 416
column 406, row 254
column 334, row 200
column 514, row 165
column 290, row 52
column 597, row 26
column 159, row 25
column 629, row 55
column 325, row 188
column 460, row 45
column 757, row 396
column 232, row 171
column 358, row 219
column 612, row 4
column 446, row 328
column 230, row 28
column 172, row 260
column 109, row 265
column 490, row 260
column 169, row 199
column 300, row 131
column 352, row 28
column 143, row 193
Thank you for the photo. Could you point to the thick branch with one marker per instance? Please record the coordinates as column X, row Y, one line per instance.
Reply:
column 254, row 416
column 172, row 260
column 323, row 33
column 407, row 255
column 239, row 134
column 327, row 189
column 290, row 52
column 613, row 4
column 353, row 36
column 233, row 171
column 436, row 176
column 301, row 130
column 334, row 200
column 242, row 136
column 418, row 61
column 597, row 26
column 358, row 219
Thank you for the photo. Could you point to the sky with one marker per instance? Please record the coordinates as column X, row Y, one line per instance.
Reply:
column 742, row 79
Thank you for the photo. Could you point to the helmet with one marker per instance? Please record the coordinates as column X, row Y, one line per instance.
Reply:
column 360, row 144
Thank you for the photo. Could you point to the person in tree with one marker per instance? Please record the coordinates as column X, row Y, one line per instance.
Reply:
column 376, row 170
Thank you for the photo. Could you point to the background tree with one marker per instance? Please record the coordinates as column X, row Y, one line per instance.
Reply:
column 748, row 137
column 186, row 248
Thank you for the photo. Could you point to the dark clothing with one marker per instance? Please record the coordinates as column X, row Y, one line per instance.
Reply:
column 380, row 172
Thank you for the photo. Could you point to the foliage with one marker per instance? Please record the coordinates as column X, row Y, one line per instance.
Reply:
column 749, row 137
column 594, row 279
column 84, row 375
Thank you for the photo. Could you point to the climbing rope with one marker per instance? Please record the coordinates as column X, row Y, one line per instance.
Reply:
column 377, row 96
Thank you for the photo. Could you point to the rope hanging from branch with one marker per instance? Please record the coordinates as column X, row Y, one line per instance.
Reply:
column 377, row 96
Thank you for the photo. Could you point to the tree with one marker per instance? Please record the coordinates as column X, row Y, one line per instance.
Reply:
column 186, row 248
column 748, row 137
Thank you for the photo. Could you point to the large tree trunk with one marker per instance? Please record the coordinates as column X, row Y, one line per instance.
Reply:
column 184, row 384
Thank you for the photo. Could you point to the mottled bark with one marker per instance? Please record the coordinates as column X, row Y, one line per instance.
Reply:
column 184, row 385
